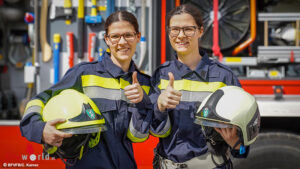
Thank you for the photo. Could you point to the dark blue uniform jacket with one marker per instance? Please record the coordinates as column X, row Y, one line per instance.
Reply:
column 180, row 138
column 103, row 82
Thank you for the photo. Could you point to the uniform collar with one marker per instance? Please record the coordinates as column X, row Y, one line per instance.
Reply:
column 107, row 65
column 201, row 69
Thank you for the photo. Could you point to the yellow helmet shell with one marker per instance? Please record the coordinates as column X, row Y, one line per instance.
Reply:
column 78, row 110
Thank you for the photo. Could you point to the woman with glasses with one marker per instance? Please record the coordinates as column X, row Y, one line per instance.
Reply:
column 178, row 88
column 117, row 88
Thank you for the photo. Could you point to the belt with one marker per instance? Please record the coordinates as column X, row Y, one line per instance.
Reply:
column 205, row 161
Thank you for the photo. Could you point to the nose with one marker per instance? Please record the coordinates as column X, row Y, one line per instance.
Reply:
column 181, row 33
column 122, row 40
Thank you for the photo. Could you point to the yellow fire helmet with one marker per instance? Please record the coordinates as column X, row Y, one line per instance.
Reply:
column 83, row 120
column 230, row 106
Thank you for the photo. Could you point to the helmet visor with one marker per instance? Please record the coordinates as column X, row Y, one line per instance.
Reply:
column 253, row 126
column 209, row 123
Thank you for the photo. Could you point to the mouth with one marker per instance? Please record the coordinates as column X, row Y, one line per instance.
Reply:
column 123, row 50
column 182, row 44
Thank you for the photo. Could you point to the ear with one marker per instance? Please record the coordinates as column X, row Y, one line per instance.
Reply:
column 200, row 32
column 106, row 39
column 138, row 37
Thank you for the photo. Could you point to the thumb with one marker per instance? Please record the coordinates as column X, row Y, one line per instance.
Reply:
column 134, row 78
column 56, row 121
column 171, row 79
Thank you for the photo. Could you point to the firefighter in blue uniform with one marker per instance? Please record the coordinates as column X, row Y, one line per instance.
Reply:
column 178, row 88
column 117, row 88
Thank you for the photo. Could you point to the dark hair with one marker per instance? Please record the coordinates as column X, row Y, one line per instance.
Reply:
column 121, row 16
column 189, row 9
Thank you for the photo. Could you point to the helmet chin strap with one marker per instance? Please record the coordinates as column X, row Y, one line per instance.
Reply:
column 237, row 143
column 53, row 150
column 66, row 162
column 84, row 143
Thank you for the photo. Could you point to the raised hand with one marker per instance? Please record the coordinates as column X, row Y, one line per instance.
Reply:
column 134, row 92
column 52, row 136
column 229, row 135
column 170, row 97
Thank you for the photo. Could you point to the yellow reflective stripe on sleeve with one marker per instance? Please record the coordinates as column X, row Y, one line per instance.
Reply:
column 163, row 135
column 134, row 135
column 109, row 83
column 33, row 109
column 35, row 102
column 190, row 85
column 165, row 131
column 136, row 139
column 33, row 106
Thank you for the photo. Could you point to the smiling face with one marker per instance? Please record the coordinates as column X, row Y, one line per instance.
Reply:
column 122, row 50
column 182, row 43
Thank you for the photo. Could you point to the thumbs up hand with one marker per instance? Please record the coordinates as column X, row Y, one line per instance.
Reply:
column 171, row 80
column 170, row 97
column 134, row 92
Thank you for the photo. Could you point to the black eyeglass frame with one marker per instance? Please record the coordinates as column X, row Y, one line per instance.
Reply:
column 182, row 29
column 121, row 35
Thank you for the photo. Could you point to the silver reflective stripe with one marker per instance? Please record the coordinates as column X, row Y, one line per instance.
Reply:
column 165, row 129
column 192, row 96
column 136, row 133
column 103, row 93
column 32, row 109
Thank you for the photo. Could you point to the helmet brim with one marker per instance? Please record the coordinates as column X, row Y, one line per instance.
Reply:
column 85, row 129
column 209, row 123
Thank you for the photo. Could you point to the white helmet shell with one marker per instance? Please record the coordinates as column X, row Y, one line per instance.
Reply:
column 228, row 106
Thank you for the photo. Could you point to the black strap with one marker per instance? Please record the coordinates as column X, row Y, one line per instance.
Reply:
column 66, row 162
column 219, row 148
column 84, row 144
column 236, row 144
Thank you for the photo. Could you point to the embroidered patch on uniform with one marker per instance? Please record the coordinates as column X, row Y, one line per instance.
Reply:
column 91, row 113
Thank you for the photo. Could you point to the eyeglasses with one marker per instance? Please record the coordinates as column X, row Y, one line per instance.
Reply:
column 188, row 31
column 128, row 36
